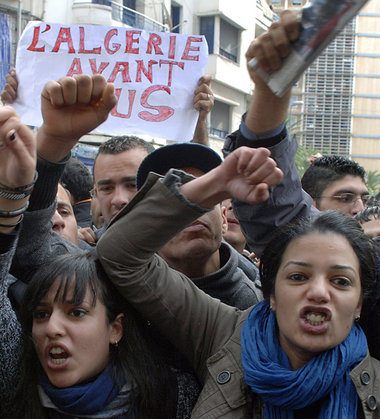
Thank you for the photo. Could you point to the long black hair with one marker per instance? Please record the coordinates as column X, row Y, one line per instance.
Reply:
column 155, row 396
column 326, row 222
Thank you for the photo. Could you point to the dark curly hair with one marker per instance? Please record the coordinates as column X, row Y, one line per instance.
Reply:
column 118, row 144
column 326, row 170
column 326, row 222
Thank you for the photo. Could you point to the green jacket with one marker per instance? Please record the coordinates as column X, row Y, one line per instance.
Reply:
column 205, row 330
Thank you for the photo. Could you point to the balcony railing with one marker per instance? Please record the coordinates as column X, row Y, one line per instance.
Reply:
column 129, row 16
column 219, row 133
column 228, row 55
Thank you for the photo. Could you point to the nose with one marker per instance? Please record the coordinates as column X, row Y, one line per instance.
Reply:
column 120, row 197
column 58, row 222
column 358, row 206
column 55, row 325
column 318, row 290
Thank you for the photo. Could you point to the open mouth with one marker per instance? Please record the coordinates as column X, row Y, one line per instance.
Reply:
column 315, row 319
column 58, row 355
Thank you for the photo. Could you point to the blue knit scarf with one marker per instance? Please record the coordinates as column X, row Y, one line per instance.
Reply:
column 85, row 399
column 268, row 372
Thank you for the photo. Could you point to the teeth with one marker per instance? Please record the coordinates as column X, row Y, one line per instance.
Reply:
column 56, row 351
column 315, row 319
column 58, row 361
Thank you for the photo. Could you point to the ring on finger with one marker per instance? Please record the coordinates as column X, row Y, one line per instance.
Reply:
column 209, row 96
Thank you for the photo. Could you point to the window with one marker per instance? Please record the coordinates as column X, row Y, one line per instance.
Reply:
column 229, row 41
column 297, row 2
column 131, row 4
column 176, row 17
column 129, row 17
column 207, row 28
column 220, row 119
column 6, row 46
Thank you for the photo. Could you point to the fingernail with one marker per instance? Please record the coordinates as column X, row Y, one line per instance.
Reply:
column 12, row 135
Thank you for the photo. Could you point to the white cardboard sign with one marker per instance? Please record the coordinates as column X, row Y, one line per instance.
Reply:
column 155, row 74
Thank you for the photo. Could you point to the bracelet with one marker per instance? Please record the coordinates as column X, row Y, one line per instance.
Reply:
column 14, row 196
column 15, row 224
column 20, row 188
column 15, row 213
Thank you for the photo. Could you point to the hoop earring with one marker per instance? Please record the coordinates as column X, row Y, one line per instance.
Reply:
column 357, row 318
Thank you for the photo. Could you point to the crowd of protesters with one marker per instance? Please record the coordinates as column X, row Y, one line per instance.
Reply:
column 172, row 283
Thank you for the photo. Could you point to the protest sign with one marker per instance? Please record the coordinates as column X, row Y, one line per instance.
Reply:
column 155, row 74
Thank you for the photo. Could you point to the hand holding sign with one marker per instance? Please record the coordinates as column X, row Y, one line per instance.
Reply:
column 155, row 74
column 203, row 97
column 72, row 107
column 9, row 93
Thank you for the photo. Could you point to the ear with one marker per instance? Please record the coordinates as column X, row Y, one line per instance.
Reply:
column 116, row 329
column 272, row 302
column 223, row 213
column 358, row 309
column 314, row 202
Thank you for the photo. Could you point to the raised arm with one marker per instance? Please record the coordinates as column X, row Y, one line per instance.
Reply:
column 182, row 312
column 17, row 168
column 71, row 107
column 264, row 126
column 203, row 103
column 17, row 172
column 267, row 111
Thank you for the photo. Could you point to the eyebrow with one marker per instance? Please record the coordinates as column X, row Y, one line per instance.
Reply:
column 63, row 204
column 307, row 265
column 351, row 191
column 110, row 181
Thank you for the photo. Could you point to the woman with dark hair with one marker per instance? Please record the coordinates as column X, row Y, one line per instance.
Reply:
column 88, row 354
column 84, row 351
column 300, row 352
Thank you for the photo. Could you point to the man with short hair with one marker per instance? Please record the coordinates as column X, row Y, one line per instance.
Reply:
column 335, row 182
column 198, row 250
column 115, row 170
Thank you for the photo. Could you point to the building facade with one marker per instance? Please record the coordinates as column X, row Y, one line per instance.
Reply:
column 365, row 147
column 335, row 106
column 228, row 27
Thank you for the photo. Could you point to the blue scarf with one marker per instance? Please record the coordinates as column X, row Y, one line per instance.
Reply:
column 268, row 372
column 88, row 398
